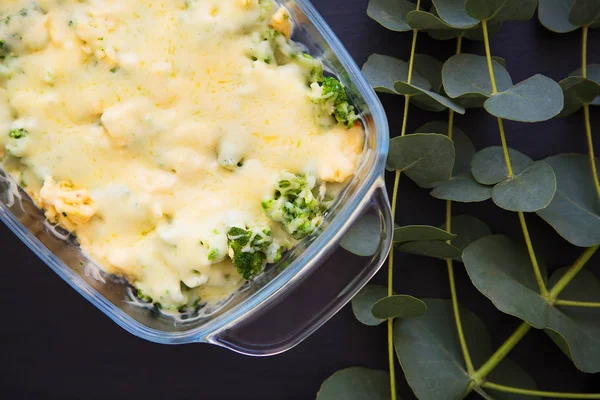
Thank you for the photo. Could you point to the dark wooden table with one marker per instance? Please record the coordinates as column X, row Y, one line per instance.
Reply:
column 55, row 345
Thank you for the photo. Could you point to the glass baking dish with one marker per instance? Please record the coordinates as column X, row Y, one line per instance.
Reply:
column 292, row 298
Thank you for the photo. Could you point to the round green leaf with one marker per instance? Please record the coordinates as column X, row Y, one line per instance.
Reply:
column 413, row 233
column 584, row 12
column 575, row 210
column 578, row 329
column 356, row 383
column 509, row 373
column 468, row 229
column 423, row 20
column 364, row 238
column 363, row 302
column 427, row 159
column 467, row 75
column 593, row 74
column 554, row 15
column 454, row 14
column 426, row 99
column 463, row 147
column 577, row 92
column 399, row 306
column 431, row 69
column 501, row 270
column 529, row 191
column 506, row 10
column 536, row 99
column 462, row 189
column 477, row 32
column 382, row 72
column 430, row 354
column 430, row 248
column 489, row 166
column 429, row 351
column 391, row 13
column 500, row 61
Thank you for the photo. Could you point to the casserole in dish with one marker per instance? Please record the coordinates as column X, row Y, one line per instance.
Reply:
column 339, row 274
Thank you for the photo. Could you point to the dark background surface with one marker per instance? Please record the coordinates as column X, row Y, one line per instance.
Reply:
column 55, row 345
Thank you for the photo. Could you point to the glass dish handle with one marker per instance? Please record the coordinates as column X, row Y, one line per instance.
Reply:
column 322, row 292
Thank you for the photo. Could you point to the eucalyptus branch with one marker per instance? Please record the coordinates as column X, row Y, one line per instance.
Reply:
column 501, row 353
column 449, row 263
column 570, row 303
column 586, row 113
column 527, row 392
column 572, row 272
column 390, row 321
column 530, row 250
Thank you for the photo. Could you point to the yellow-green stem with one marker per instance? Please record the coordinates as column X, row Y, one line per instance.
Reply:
column 540, row 393
column 586, row 112
column 501, row 353
column 584, row 34
column 449, row 263
column 390, row 322
column 534, row 262
column 532, row 257
column 570, row 303
column 590, row 142
column 572, row 272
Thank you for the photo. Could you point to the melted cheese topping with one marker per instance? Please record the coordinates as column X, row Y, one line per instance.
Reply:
column 123, row 120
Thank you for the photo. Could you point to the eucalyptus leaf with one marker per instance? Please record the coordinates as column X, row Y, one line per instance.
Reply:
column 467, row 75
column 363, row 302
column 577, row 92
column 413, row 233
column 364, row 238
column 430, row 248
column 429, row 351
column 530, row 190
column 356, row 383
column 575, row 210
column 501, row 269
column 554, row 15
column 536, row 99
column 430, row 354
column 579, row 328
column 399, row 306
column 489, row 166
column 391, row 13
column 431, row 69
column 477, row 32
column 505, row 10
column 464, row 148
column 454, row 14
column 500, row 61
column 584, row 12
column 426, row 99
column 445, row 34
column 509, row 373
column 462, row 189
column 427, row 159
column 382, row 72
column 422, row 20
column 468, row 230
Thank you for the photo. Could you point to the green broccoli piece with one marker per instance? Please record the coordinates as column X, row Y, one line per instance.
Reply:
column 18, row 133
column 146, row 299
column 313, row 66
column 298, row 204
column 251, row 250
column 332, row 98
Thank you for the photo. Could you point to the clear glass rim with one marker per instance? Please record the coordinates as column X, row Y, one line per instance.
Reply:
column 301, row 266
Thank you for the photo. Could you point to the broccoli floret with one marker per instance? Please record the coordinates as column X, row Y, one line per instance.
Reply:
column 18, row 133
column 313, row 66
column 332, row 98
column 298, row 204
column 251, row 249
column 146, row 299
